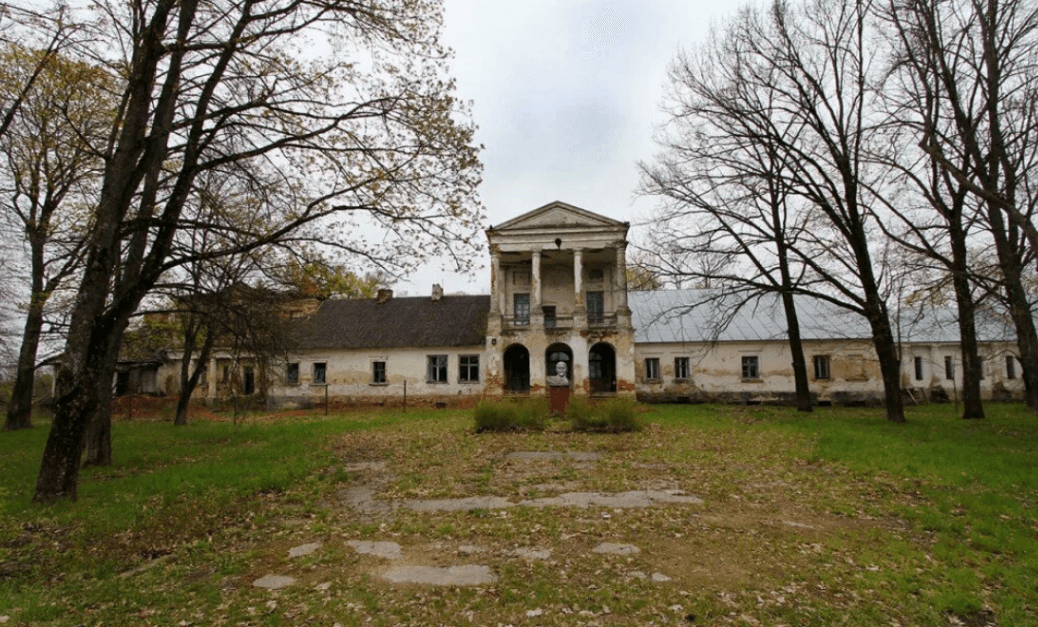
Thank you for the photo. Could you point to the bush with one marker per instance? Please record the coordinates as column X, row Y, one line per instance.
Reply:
column 526, row 415
column 613, row 416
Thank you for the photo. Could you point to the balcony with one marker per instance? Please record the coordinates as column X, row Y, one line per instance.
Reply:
column 558, row 322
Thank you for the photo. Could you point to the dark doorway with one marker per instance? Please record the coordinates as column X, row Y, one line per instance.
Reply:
column 517, row 369
column 250, row 381
column 602, row 368
column 558, row 353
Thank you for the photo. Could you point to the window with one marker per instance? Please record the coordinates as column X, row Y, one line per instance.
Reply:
column 918, row 368
column 1010, row 367
column 468, row 368
column 521, row 308
column 949, row 367
column 319, row 372
column 292, row 373
column 378, row 372
column 681, row 369
column 595, row 307
column 652, row 368
column 549, row 316
column 750, row 367
column 437, row 368
column 822, row 367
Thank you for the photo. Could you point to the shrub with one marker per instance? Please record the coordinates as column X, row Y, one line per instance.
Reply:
column 615, row 415
column 526, row 415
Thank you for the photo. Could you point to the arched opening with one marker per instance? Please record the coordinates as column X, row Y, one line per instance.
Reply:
column 558, row 354
column 602, row 368
column 517, row 369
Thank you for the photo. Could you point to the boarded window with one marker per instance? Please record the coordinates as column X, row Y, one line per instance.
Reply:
column 320, row 372
column 521, row 308
column 437, row 369
column 652, row 368
column 822, row 370
column 595, row 307
column 681, row 368
column 468, row 368
column 750, row 367
column 378, row 372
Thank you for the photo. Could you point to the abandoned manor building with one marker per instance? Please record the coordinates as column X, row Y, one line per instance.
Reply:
column 559, row 295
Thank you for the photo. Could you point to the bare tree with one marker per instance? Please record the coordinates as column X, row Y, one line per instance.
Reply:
column 51, row 168
column 360, row 147
column 973, row 64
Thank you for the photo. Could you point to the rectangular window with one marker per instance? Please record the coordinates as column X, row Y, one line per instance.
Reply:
column 750, row 367
column 681, row 368
column 437, row 368
column 822, row 367
column 918, row 368
column 521, row 308
column 468, row 368
column 378, row 372
column 1010, row 367
column 549, row 316
column 652, row 368
column 292, row 373
column 595, row 307
column 319, row 372
column 949, row 367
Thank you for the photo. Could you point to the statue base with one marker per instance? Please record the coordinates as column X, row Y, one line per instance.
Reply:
column 558, row 400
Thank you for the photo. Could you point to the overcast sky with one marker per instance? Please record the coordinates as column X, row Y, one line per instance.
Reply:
column 565, row 94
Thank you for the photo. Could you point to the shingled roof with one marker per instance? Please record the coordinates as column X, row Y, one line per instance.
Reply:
column 397, row 323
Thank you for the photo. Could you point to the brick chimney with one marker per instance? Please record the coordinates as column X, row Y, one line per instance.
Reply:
column 383, row 296
column 437, row 292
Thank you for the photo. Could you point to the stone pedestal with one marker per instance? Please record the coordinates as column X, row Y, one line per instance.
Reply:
column 558, row 400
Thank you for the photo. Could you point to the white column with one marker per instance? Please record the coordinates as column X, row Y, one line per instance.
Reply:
column 496, row 284
column 578, row 273
column 535, row 285
column 621, row 277
column 211, row 377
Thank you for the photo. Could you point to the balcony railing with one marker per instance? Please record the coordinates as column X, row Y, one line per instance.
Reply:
column 559, row 322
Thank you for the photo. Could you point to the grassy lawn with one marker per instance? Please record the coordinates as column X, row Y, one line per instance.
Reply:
column 832, row 518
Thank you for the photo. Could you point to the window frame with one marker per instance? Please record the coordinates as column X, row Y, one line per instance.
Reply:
column 652, row 368
column 595, row 315
column 949, row 368
column 436, row 369
column 750, row 362
column 466, row 370
column 682, row 368
column 917, row 364
column 1010, row 367
column 292, row 373
column 822, row 366
column 322, row 368
column 521, row 319
column 378, row 372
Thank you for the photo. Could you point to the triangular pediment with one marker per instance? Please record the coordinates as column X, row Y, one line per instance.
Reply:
column 557, row 214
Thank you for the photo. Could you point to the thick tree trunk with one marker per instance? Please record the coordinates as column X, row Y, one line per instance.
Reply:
column 19, row 411
column 972, row 405
column 889, row 365
column 1019, row 306
column 98, row 438
column 796, row 347
column 74, row 405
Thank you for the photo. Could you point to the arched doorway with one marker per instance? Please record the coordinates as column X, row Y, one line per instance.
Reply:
column 602, row 368
column 556, row 354
column 517, row 369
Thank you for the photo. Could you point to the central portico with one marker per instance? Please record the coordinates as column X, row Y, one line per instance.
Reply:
column 559, row 294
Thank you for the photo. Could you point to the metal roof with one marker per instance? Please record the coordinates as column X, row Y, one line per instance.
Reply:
column 709, row 316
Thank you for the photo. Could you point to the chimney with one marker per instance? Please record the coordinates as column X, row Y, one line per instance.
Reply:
column 383, row 295
column 437, row 292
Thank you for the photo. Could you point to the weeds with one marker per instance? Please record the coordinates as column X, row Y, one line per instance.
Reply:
column 526, row 414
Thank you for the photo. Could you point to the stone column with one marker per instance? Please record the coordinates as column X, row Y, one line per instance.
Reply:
column 211, row 377
column 536, row 312
column 578, row 274
column 621, row 276
column 496, row 286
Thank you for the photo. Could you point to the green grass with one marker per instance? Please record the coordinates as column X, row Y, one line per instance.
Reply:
column 922, row 523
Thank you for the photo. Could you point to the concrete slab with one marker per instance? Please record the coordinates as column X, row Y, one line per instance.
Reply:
column 458, row 505
column 532, row 553
column 616, row 549
column 468, row 575
column 387, row 550
column 273, row 582
column 304, row 549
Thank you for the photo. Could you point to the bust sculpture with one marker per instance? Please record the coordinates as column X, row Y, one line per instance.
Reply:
column 559, row 379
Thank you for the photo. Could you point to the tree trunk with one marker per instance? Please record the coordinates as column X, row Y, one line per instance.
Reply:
column 74, row 405
column 19, row 411
column 972, row 405
column 189, row 378
column 796, row 347
column 98, row 438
